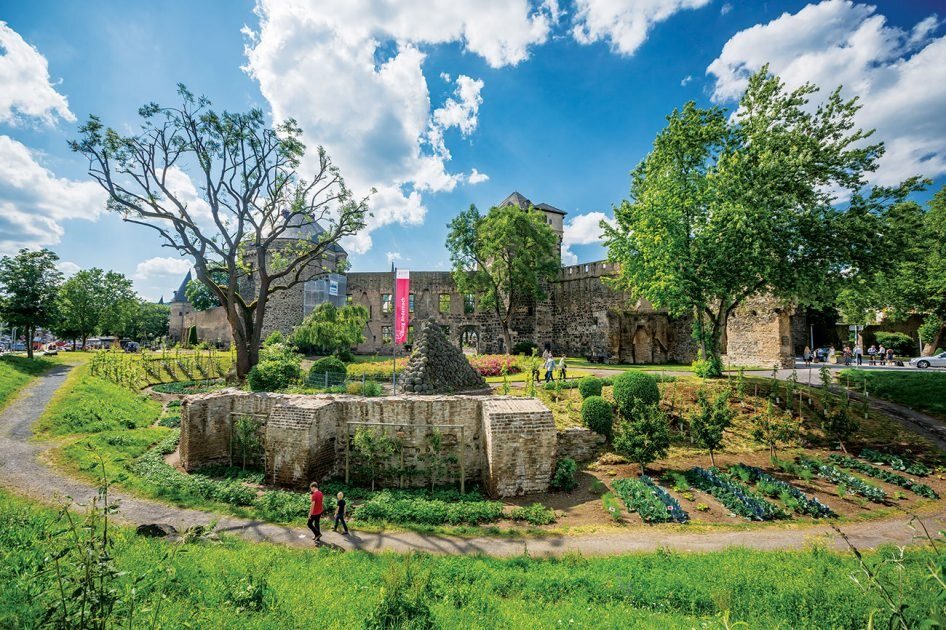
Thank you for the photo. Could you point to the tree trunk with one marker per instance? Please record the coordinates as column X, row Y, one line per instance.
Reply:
column 29, row 342
column 643, row 472
column 712, row 458
column 507, row 339
column 935, row 343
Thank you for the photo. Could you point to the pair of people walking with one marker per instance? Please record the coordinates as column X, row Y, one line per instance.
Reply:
column 316, row 510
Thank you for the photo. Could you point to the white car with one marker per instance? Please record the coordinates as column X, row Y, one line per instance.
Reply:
column 936, row 360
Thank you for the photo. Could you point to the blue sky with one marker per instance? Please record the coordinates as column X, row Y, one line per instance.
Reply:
column 437, row 105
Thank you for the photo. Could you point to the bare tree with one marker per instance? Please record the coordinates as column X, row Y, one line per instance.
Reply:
column 259, row 227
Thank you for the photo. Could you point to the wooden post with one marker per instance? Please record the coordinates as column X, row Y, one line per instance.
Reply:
column 347, row 440
column 462, row 469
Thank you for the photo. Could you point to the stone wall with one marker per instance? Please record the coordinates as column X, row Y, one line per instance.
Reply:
column 508, row 443
column 578, row 443
column 520, row 446
column 759, row 333
column 212, row 326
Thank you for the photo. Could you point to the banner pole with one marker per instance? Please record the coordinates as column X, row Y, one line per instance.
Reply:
column 394, row 333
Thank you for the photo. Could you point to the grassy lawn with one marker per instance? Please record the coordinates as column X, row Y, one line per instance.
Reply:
column 925, row 391
column 16, row 372
column 238, row 584
column 86, row 404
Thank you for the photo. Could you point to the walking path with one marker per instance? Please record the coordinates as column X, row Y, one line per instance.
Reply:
column 22, row 472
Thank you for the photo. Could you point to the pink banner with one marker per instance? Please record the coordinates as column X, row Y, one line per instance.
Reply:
column 402, row 315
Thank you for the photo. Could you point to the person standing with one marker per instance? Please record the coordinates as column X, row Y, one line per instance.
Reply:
column 315, row 512
column 872, row 355
column 891, row 355
column 562, row 368
column 882, row 354
column 858, row 354
column 340, row 513
column 847, row 355
column 549, row 369
column 807, row 356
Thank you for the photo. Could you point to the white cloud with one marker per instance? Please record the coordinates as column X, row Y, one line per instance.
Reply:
column 726, row 8
column 900, row 76
column 582, row 229
column 25, row 89
column 624, row 23
column 68, row 268
column 394, row 257
column 34, row 202
column 475, row 177
column 686, row 80
column 351, row 73
column 162, row 268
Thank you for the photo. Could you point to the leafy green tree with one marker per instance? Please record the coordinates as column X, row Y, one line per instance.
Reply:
column 149, row 322
column 93, row 300
column 725, row 208
column 507, row 257
column 331, row 330
column 29, row 291
column 200, row 295
column 375, row 447
column 643, row 438
column 773, row 427
column 710, row 420
column 907, row 272
column 261, row 224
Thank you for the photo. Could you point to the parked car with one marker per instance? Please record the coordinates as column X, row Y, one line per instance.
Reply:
column 936, row 360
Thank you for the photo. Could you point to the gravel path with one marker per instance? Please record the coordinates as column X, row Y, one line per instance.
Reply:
column 22, row 471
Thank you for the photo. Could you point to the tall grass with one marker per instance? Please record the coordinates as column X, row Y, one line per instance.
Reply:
column 87, row 404
column 16, row 372
column 238, row 584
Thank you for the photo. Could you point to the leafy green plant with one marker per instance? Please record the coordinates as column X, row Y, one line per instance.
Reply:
column 645, row 438
column 709, row 421
column 773, row 427
column 564, row 477
column 597, row 415
column 278, row 368
column 375, row 447
column 326, row 371
column 589, row 386
column 634, row 392
column 247, row 443
column 404, row 600
column 884, row 475
column 534, row 514
column 736, row 498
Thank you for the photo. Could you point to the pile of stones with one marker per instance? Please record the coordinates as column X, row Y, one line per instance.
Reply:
column 439, row 367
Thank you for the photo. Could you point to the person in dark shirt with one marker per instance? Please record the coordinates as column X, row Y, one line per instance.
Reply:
column 340, row 514
column 315, row 512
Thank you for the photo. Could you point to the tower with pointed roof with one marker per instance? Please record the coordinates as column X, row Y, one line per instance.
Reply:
column 180, row 308
column 554, row 217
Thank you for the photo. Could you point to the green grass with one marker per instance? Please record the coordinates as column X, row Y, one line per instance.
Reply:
column 925, row 391
column 86, row 404
column 16, row 372
column 238, row 584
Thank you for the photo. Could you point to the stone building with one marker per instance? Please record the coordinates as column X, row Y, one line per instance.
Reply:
column 582, row 314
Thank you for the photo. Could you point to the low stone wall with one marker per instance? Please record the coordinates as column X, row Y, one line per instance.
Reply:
column 578, row 443
column 507, row 442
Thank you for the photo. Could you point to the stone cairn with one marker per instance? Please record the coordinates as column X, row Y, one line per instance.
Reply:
column 438, row 367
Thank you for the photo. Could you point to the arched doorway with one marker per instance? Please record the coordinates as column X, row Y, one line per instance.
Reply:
column 470, row 340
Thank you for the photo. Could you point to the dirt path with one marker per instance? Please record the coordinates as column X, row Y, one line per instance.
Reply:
column 22, row 472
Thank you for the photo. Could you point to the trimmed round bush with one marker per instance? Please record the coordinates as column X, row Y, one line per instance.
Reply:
column 597, row 415
column 633, row 390
column 335, row 368
column 590, row 386
column 272, row 375
column 564, row 478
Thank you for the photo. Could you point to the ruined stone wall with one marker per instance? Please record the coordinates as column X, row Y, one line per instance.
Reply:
column 509, row 443
column 212, row 326
column 520, row 446
column 178, row 312
column 578, row 443
column 759, row 333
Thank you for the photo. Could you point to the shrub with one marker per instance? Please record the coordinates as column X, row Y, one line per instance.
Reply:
column 368, row 388
column 385, row 506
column 708, row 368
column 278, row 368
column 644, row 438
column 336, row 370
column 634, row 391
column 590, row 386
column 492, row 364
column 524, row 347
column 274, row 338
column 535, row 514
column 902, row 344
column 597, row 415
column 564, row 477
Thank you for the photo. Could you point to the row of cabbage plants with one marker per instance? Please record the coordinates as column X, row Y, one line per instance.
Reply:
column 837, row 476
column 789, row 494
column 734, row 496
column 884, row 475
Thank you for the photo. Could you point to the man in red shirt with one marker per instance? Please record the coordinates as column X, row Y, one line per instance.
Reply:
column 315, row 512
